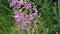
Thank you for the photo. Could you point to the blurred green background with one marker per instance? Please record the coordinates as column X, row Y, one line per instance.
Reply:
column 48, row 22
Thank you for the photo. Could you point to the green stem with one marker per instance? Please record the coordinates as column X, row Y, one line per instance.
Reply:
column 5, row 7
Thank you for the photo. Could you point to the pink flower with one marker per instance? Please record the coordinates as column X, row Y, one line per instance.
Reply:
column 21, row 2
column 19, row 17
column 23, row 25
column 16, row 2
column 29, row 17
column 21, row 14
column 35, row 14
column 36, row 11
column 13, row 3
column 28, row 5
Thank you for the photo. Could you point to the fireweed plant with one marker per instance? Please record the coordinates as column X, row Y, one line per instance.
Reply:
column 25, row 14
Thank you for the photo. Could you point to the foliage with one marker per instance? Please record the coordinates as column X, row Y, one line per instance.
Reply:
column 48, row 21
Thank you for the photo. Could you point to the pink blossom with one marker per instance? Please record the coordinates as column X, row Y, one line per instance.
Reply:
column 19, row 17
column 23, row 25
column 36, row 11
column 21, row 2
column 13, row 3
column 16, row 2
column 28, row 5
column 29, row 17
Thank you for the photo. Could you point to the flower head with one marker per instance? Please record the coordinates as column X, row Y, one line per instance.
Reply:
column 16, row 2
column 28, row 5
column 22, row 6
column 23, row 25
column 19, row 17
column 13, row 3
column 29, row 17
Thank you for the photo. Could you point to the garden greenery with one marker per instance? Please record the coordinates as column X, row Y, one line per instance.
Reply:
column 29, row 17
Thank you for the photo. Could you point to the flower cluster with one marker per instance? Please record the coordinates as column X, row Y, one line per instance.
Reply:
column 27, row 11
